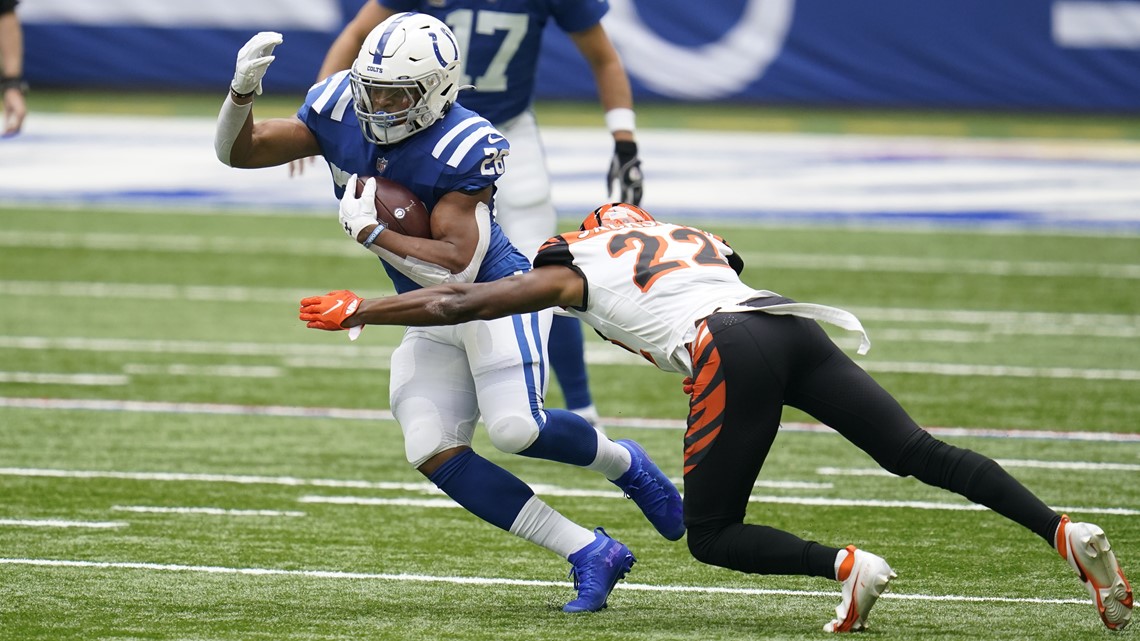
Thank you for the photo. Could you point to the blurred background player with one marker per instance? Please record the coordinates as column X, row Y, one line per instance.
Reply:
column 673, row 294
column 394, row 114
column 12, row 84
column 501, row 41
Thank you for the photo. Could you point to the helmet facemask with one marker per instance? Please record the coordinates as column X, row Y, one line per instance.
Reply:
column 389, row 111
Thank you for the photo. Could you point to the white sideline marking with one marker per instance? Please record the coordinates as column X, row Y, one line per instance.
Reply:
column 62, row 523
column 457, row 580
column 211, row 511
column 291, row 411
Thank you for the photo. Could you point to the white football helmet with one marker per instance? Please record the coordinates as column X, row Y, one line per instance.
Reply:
column 405, row 77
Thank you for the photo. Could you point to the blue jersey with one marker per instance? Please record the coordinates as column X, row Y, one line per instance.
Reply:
column 500, row 42
column 457, row 153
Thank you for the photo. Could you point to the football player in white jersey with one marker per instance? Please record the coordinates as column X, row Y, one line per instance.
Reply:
column 672, row 294
column 501, row 40
column 393, row 114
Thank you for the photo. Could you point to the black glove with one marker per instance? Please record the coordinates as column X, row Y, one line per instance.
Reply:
column 625, row 170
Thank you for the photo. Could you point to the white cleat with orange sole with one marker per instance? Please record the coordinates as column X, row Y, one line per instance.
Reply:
column 865, row 578
column 1087, row 550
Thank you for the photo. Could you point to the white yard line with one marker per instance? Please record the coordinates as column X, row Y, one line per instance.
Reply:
column 289, row 411
column 208, row 511
column 807, row 501
column 1000, row 371
column 1082, row 466
column 374, row 501
column 820, row 501
column 322, row 247
column 462, row 580
column 299, row 355
column 53, row 378
column 428, row 488
column 62, row 523
column 211, row 371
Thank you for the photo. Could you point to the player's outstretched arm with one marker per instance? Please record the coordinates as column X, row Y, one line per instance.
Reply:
column 623, row 179
column 451, row 304
column 238, row 141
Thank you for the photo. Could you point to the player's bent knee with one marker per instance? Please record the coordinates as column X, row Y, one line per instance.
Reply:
column 701, row 544
column 423, row 439
column 512, row 434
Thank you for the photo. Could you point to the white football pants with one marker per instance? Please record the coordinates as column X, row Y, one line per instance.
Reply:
column 442, row 377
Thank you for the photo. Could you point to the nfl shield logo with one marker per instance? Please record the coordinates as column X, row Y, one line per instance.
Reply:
column 381, row 165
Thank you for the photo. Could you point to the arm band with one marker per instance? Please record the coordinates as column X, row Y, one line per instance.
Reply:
column 372, row 236
column 620, row 120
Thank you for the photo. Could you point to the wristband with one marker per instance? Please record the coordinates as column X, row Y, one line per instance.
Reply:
column 372, row 236
column 13, row 82
column 243, row 96
column 620, row 119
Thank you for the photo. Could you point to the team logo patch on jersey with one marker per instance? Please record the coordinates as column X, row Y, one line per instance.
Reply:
column 381, row 165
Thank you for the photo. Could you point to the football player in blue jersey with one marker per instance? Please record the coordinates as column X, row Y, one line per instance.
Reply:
column 393, row 114
column 501, row 41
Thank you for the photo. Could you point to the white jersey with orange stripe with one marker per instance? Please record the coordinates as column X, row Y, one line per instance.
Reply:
column 648, row 283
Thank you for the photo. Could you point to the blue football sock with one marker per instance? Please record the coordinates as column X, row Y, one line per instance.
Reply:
column 566, row 438
column 483, row 488
column 568, row 359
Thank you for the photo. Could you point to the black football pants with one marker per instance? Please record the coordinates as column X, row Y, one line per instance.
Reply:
column 752, row 365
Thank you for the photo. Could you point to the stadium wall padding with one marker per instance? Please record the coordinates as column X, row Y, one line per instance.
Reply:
column 1068, row 55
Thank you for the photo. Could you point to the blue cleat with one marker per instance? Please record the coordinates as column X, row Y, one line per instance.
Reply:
column 596, row 569
column 653, row 492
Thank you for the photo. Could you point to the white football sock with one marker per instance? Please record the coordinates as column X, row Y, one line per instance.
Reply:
column 541, row 524
column 612, row 460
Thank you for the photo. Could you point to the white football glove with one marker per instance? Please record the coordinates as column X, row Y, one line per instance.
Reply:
column 358, row 213
column 252, row 61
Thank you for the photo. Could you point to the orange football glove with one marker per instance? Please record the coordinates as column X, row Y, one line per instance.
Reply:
column 686, row 385
column 329, row 311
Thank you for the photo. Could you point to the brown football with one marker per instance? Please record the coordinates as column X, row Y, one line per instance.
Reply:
column 398, row 208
